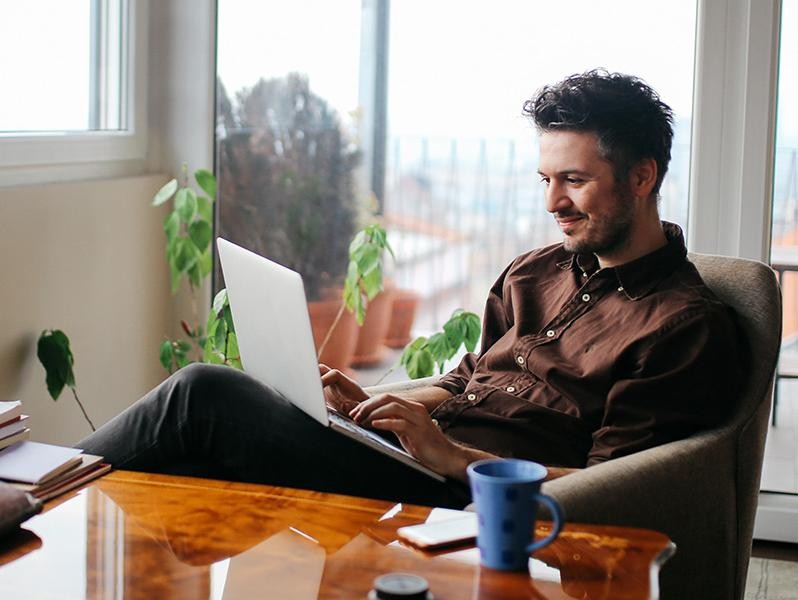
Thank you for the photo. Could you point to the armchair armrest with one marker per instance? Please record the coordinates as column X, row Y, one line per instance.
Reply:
column 684, row 489
column 401, row 386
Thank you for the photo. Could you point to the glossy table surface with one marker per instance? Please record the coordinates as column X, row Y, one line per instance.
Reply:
column 135, row 535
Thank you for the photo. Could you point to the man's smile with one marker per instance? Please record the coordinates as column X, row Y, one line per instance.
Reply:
column 568, row 222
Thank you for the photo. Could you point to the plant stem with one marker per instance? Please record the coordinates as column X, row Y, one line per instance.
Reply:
column 388, row 372
column 195, row 313
column 331, row 329
column 74, row 393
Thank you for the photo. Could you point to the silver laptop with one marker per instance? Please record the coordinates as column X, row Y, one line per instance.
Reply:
column 276, row 343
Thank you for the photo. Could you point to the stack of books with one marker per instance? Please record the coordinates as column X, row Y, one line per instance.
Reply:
column 13, row 424
column 42, row 470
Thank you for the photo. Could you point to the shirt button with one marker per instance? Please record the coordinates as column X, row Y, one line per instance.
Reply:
column 472, row 397
column 550, row 333
column 585, row 297
column 520, row 360
column 510, row 388
column 620, row 289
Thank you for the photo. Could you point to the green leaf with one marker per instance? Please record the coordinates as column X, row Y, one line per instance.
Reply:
column 166, row 355
column 360, row 239
column 227, row 315
column 186, row 254
column 200, row 233
column 233, row 354
column 455, row 330
column 351, row 291
column 166, row 192
column 174, row 274
column 440, row 348
column 412, row 348
column 171, row 226
column 204, row 209
column 194, row 275
column 207, row 182
column 219, row 301
column 205, row 263
column 219, row 335
column 56, row 357
column 420, row 364
column 372, row 283
column 186, row 204
column 473, row 331
column 367, row 258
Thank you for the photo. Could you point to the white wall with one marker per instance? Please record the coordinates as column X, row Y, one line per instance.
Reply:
column 87, row 258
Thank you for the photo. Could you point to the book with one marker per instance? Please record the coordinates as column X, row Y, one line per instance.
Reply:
column 14, row 438
column 51, row 490
column 35, row 462
column 13, row 426
column 10, row 411
column 88, row 463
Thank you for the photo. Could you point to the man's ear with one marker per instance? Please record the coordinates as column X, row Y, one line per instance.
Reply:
column 643, row 177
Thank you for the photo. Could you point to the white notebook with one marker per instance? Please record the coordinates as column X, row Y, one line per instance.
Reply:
column 34, row 462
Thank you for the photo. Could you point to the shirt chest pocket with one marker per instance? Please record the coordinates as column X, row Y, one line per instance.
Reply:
column 518, row 384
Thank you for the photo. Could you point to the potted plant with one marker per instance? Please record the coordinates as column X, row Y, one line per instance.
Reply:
column 188, row 229
column 286, row 173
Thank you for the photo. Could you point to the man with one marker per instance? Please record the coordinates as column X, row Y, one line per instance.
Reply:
column 603, row 345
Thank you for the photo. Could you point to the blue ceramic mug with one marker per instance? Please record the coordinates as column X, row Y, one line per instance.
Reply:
column 506, row 492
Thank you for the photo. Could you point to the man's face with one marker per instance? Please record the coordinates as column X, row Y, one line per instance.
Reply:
column 594, row 211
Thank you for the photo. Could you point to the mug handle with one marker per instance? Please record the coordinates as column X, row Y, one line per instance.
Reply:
column 556, row 512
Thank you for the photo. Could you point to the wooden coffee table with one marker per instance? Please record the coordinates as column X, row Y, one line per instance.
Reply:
column 135, row 535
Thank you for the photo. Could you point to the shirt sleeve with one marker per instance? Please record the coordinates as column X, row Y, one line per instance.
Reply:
column 496, row 320
column 678, row 381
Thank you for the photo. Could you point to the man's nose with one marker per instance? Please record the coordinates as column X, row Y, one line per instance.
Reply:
column 556, row 198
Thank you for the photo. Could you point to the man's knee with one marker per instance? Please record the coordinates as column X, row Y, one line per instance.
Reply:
column 213, row 389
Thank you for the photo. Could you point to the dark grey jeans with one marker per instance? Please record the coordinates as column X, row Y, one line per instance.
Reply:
column 216, row 422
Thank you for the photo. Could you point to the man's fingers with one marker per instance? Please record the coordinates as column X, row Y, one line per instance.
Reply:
column 389, row 407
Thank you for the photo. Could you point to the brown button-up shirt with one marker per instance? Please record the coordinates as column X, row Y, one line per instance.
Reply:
column 579, row 364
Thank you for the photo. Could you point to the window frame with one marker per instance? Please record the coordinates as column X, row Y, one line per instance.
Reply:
column 23, row 155
column 732, row 160
column 734, row 125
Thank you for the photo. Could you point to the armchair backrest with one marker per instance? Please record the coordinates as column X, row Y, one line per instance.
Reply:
column 751, row 288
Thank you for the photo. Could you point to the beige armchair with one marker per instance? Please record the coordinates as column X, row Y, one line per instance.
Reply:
column 701, row 491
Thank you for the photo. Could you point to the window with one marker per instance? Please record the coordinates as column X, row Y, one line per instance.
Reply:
column 69, row 76
column 436, row 128
column 462, row 189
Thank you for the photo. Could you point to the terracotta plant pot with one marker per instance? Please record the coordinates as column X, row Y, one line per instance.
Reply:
column 341, row 345
column 403, row 314
column 370, row 349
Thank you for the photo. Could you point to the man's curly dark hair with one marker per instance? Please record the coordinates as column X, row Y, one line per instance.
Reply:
column 626, row 115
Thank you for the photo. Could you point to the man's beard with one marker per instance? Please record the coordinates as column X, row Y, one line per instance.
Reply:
column 609, row 232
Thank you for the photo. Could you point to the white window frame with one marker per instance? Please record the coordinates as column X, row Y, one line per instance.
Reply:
column 734, row 121
column 34, row 157
column 732, row 157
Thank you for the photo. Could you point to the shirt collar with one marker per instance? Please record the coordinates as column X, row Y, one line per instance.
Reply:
column 639, row 277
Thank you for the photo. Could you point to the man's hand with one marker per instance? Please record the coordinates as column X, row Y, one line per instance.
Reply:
column 418, row 433
column 341, row 393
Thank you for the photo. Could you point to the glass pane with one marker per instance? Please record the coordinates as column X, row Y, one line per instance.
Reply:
column 780, row 471
column 299, row 146
column 463, row 195
column 61, row 65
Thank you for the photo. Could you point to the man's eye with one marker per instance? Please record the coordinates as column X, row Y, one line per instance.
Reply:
column 544, row 180
column 574, row 180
